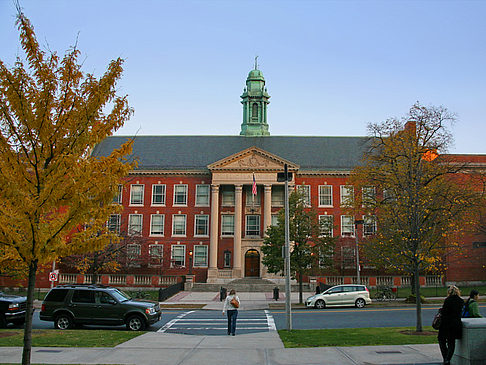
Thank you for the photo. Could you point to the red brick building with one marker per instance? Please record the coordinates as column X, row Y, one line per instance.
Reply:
column 190, row 201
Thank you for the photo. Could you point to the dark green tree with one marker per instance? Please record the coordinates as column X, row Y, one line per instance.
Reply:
column 311, row 246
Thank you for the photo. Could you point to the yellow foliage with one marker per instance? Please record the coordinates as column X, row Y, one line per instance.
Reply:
column 55, row 197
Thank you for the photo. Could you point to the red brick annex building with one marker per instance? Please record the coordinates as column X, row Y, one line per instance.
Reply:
column 190, row 202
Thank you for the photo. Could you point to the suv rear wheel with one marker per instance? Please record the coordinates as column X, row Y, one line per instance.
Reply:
column 63, row 322
column 135, row 323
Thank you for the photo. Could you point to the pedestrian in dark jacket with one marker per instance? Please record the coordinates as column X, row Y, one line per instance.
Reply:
column 451, row 326
column 472, row 305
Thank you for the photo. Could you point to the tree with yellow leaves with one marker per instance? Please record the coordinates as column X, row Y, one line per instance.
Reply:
column 414, row 194
column 55, row 198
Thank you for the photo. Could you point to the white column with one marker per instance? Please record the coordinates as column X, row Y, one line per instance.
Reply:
column 267, row 208
column 237, row 273
column 214, row 235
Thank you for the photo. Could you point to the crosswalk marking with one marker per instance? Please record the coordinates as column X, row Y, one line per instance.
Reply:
column 183, row 322
column 270, row 321
column 174, row 321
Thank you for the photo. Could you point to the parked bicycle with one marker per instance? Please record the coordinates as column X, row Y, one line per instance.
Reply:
column 385, row 293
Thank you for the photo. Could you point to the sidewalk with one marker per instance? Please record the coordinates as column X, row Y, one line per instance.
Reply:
column 263, row 348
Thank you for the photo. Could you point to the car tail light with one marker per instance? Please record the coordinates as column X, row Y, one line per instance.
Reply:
column 43, row 308
column 367, row 289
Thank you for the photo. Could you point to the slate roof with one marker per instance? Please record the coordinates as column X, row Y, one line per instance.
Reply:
column 196, row 152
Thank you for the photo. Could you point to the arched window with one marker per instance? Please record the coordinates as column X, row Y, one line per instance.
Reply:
column 254, row 110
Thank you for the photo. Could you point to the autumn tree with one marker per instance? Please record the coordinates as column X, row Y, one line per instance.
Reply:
column 311, row 245
column 51, row 116
column 415, row 195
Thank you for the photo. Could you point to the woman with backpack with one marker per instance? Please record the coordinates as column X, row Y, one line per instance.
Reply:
column 471, row 308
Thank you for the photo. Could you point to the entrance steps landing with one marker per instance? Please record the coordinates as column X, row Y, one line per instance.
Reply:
column 249, row 285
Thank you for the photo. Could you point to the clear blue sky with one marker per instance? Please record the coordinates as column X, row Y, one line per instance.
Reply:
column 331, row 67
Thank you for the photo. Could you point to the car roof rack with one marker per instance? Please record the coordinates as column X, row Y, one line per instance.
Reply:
column 82, row 286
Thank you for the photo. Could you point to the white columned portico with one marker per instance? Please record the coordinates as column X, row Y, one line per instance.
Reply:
column 267, row 208
column 213, row 243
column 237, row 273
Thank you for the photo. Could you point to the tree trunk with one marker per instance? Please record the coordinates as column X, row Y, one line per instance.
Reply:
column 418, row 302
column 300, row 288
column 28, row 316
column 412, row 283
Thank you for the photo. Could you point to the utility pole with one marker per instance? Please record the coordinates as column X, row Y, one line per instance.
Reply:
column 288, row 309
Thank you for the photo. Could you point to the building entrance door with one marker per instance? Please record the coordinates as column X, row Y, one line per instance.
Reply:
column 252, row 263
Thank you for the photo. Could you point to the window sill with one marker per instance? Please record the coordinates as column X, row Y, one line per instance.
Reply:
column 180, row 205
column 179, row 235
column 156, row 235
column 202, row 236
column 157, row 205
column 135, row 205
column 326, row 206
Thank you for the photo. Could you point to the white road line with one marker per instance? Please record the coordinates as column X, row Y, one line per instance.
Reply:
column 270, row 321
column 174, row 321
column 217, row 328
column 221, row 320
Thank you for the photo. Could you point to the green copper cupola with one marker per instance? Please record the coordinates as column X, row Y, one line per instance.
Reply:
column 255, row 101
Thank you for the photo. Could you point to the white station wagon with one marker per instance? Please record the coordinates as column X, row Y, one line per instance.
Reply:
column 341, row 295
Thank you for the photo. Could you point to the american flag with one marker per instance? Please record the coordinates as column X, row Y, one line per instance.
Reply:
column 254, row 187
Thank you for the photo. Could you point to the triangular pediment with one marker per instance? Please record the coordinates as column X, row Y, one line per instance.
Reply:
column 252, row 159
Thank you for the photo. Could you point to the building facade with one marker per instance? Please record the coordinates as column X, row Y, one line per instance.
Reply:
column 191, row 203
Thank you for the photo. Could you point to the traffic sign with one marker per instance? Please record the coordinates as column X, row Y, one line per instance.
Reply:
column 53, row 276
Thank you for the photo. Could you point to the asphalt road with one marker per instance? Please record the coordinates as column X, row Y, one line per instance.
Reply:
column 206, row 322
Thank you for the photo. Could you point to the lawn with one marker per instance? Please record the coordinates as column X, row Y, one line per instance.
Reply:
column 357, row 337
column 67, row 338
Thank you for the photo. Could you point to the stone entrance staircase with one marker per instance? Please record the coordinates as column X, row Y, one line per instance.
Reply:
column 246, row 285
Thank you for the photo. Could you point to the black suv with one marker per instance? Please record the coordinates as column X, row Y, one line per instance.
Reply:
column 12, row 309
column 68, row 305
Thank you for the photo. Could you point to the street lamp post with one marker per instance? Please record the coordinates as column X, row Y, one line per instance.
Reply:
column 356, row 222
column 286, row 176
column 190, row 262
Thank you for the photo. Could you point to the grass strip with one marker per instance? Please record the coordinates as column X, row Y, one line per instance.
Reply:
column 67, row 338
column 357, row 337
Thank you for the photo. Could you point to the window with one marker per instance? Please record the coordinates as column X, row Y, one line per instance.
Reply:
column 180, row 194
column 252, row 225
column 227, row 225
column 325, row 195
column 347, row 225
column 274, row 220
column 369, row 225
column 202, row 195
column 158, row 194
column 306, row 194
column 326, row 258
column 156, row 251
column 326, row 223
column 136, row 194
column 133, row 251
column 278, row 195
column 135, row 224
column 254, row 111
column 369, row 196
column 201, row 225
column 118, row 197
column 114, row 223
column 83, row 296
column 200, row 256
column 179, row 225
column 252, row 200
column 348, row 257
column 228, row 196
column 227, row 259
column 157, row 225
column 178, row 255
column 347, row 195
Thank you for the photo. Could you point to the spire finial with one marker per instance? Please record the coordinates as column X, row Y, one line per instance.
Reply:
column 256, row 62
